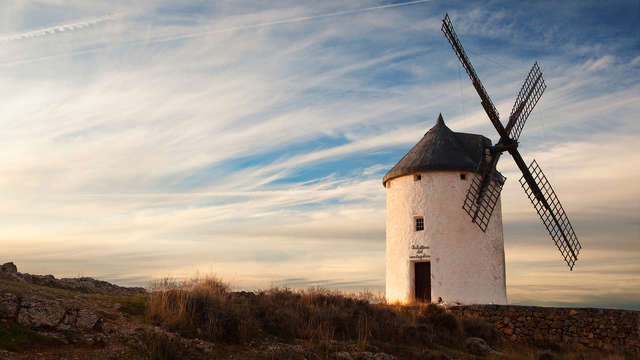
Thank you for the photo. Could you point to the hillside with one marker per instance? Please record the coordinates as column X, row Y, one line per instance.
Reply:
column 42, row 317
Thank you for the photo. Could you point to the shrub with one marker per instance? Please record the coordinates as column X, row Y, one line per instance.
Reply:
column 446, row 327
column 477, row 327
column 161, row 347
column 16, row 337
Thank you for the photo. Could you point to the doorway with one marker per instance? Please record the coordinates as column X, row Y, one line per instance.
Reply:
column 422, row 276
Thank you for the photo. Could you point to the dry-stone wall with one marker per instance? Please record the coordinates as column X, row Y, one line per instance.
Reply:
column 581, row 328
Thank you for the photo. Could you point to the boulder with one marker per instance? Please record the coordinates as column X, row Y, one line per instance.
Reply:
column 374, row 356
column 383, row 356
column 477, row 346
column 343, row 355
column 40, row 313
column 9, row 268
column 8, row 306
column 79, row 320
column 87, row 320
column 8, row 354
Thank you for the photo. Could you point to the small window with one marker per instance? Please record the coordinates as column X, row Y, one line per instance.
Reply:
column 417, row 177
column 463, row 176
column 419, row 223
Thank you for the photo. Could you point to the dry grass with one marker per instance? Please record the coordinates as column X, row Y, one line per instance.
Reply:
column 200, row 307
column 205, row 308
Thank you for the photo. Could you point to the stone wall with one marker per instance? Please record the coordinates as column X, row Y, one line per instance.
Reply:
column 580, row 328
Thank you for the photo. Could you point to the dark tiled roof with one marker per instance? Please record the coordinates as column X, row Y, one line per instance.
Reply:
column 441, row 149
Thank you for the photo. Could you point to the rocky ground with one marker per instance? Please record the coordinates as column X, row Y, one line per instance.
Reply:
column 64, row 318
column 84, row 285
column 42, row 317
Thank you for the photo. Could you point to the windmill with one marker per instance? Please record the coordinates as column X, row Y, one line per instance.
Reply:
column 485, row 188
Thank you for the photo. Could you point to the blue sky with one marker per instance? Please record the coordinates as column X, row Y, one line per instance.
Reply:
column 249, row 139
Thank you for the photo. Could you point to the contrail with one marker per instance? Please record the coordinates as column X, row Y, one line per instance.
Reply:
column 286, row 21
column 57, row 29
column 43, row 32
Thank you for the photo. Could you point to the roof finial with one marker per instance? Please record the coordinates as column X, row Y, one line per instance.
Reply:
column 440, row 120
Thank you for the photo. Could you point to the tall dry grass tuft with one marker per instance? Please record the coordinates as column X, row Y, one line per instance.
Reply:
column 198, row 307
column 363, row 332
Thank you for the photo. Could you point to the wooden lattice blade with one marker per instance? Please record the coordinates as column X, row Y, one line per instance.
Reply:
column 526, row 100
column 479, row 204
column 551, row 212
column 487, row 104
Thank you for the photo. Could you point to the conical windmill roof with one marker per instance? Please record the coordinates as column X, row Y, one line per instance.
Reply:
column 441, row 149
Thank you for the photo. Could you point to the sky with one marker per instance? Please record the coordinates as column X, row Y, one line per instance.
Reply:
column 248, row 139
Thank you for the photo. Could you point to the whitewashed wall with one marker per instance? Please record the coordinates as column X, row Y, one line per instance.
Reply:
column 467, row 265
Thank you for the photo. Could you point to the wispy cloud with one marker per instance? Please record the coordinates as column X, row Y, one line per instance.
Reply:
column 234, row 138
column 291, row 20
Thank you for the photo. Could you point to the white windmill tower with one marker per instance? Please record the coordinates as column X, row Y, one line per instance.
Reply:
column 433, row 251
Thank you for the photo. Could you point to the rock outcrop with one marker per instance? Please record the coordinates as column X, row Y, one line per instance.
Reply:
column 9, row 267
column 85, row 285
column 46, row 314
column 71, row 318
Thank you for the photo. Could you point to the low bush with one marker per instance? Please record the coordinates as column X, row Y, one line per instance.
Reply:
column 161, row 347
column 15, row 337
column 477, row 327
column 446, row 327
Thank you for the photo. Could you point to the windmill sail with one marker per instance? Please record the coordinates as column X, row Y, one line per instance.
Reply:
column 487, row 104
column 551, row 212
column 527, row 99
column 484, row 192
column 479, row 203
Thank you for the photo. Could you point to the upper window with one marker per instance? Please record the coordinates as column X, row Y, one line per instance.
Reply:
column 417, row 177
column 419, row 223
